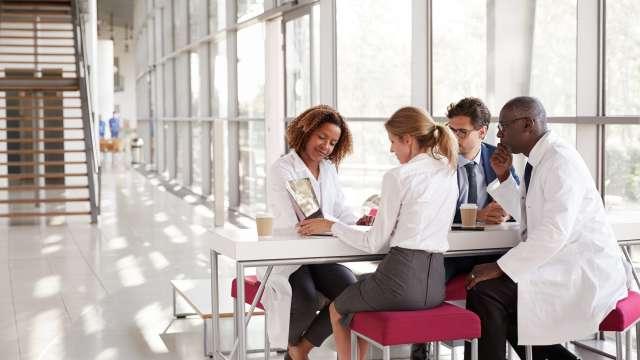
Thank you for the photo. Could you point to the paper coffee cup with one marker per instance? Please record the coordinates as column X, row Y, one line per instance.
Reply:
column 468, row 213
column 264, row 224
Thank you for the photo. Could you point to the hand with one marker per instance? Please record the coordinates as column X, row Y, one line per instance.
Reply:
column 493, row 214
column 501, row 161
column 366, row 220
column 483, row 272
column 314, row 226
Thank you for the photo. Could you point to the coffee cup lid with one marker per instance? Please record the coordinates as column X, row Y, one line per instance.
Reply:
column 468, row 206
column 264, row 215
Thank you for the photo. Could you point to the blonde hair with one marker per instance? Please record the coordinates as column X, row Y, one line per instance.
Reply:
column 433, row 138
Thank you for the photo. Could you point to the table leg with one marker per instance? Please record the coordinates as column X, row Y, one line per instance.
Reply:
column 241, row 329
column 214, row 332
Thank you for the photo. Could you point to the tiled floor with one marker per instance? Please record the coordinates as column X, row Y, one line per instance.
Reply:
column 78, row 291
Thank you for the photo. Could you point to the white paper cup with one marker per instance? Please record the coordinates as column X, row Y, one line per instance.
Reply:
column 264, row 224
column 468, row 214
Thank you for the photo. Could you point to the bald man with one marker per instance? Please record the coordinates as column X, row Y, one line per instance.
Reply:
column 567, row 273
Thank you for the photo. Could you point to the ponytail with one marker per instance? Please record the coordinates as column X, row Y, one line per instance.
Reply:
column 435, row 139
column 440, row 142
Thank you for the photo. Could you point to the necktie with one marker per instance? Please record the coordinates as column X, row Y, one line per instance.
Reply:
column 527, row 176
column 473, row 186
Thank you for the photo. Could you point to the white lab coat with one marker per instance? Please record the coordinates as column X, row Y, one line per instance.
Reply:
column 277, row 294
column 569, row 269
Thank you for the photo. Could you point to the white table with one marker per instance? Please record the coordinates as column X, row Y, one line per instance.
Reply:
column 287, row 248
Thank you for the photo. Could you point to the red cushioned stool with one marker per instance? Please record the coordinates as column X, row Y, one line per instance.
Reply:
column 620, row 320
column 455, row 289
column 442, row 323
column 251, row 286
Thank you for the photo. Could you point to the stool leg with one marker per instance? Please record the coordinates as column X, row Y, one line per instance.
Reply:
column 386, row 353
column 474, row 349
column 618, row 346
column 638, row 341
column 354, row 346
column 206, row 337
column 509, row 353
column 528, row 352
column 436, row 350
column 453, row 350
column 267, row 346
column 627, row 345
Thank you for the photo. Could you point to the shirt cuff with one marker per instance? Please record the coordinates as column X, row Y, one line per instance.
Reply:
column 508, row 267
column 338, row 229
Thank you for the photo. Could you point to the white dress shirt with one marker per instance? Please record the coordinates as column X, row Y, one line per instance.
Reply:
column 416, row 204
column 569, row 270
column 277, row 294
column 463, row 180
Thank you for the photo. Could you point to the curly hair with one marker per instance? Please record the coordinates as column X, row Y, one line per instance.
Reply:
column 473, row 108
column 301, row 128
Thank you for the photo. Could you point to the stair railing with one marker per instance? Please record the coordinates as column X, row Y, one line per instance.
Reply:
column 88, row 118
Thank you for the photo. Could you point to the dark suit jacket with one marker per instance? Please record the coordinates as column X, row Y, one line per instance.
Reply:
column 486, row 150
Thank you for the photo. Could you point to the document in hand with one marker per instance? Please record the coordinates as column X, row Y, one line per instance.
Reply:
column 303, row 199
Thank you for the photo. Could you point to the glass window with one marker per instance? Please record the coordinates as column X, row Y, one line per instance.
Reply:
column 298, row 65
column 181, row 33
column 251, row 144
column 183, row 162
column 217, row 15
column 622, row 169
column 251, row 63
column 219, row 93
column 159, row 38
column 458, row 71
column 361, row 172
column 194, row 81
column 249, row 8
column 167, row 31
column 182, row 85
column 505, row 49
column 553, row 67
column 198, row 19
column 196, row 155
column 374, row 57
column 170, row 143
column 169, row 89
column 251, row 134
column 622, row 57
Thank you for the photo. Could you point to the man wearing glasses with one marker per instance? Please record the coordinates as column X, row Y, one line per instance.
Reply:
column 469, row 121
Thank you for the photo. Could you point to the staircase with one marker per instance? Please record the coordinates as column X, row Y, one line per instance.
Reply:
column 48, row 157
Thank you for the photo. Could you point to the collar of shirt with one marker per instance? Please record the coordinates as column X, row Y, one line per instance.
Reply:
column 539, row 149
column 462, row 161
column 419, row 157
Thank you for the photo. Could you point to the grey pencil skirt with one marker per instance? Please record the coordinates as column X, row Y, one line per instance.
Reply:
column 405, row 280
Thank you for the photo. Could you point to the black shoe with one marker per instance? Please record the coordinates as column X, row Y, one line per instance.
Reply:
column 418, row 352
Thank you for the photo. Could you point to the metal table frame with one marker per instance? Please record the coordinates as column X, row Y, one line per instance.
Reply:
column 241, row 321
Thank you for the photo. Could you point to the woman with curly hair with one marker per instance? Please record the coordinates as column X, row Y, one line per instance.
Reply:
column 319, row 140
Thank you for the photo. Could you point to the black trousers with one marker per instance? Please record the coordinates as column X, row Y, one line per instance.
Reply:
column 309, row 284
column 453, row 266
column 495, row 301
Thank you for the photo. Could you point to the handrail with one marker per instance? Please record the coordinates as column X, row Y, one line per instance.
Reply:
column 91, row 145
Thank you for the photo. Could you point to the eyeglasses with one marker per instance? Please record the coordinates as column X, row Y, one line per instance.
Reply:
column 461, row 133
column 504, row 124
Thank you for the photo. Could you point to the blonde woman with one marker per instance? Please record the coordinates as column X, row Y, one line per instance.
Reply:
column 415, row 215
